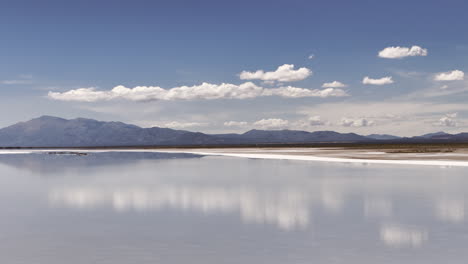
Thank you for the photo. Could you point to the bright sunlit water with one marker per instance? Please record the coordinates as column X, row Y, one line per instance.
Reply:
column 179, row 208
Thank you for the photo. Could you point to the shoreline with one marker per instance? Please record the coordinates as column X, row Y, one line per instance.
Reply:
column 421, row 162
column 338, row 155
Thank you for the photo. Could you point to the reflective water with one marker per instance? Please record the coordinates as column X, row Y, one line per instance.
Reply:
column 172, row 208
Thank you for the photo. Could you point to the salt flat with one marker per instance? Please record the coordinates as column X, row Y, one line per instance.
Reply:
column 429, row 156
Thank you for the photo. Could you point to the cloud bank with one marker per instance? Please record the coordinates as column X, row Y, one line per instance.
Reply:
column 284, row 73
column 204, row 91
column 402, row 52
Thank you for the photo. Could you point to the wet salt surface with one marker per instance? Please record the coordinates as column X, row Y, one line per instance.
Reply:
column 180, row 208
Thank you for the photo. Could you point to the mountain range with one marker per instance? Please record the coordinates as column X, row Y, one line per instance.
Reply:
column 49, row 131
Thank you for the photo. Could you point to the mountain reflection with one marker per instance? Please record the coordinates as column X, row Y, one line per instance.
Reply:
column 47, row 164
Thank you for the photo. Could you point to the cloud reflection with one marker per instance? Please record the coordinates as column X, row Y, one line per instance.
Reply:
column 285, row 209
column 450, row 210
column 399, row 236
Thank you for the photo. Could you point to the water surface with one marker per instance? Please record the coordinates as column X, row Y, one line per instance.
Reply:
column 180, row 208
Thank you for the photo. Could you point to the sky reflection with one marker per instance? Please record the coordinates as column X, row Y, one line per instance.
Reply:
column 324, row 206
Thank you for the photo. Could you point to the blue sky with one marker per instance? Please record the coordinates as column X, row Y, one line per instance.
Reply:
column 51, row 49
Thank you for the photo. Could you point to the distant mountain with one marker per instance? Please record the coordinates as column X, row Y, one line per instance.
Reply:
column 439, row 134
column 49, row 131
column 438, row 137
column 294, row 136
column 382, row 137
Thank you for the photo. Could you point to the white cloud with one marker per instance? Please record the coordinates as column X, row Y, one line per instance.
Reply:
column 443, row 87
column 449, row 120
column 311, row 56
column 205, row 91
column 381, row 81
column 402, row 52
column 182, row 125
column 235, row 124
column 148, row 93
column 284, row 73
column 271, row 123
column 295, row 92
column 334, row 84
column 455, row 75
column 359, row 122
column 316, row 121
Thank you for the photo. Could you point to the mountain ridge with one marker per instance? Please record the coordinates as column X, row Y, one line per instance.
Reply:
column 51, row 131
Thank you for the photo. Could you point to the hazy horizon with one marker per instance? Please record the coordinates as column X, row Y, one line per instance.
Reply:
column 237, row 132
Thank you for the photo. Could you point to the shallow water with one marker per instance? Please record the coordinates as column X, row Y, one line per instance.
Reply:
column 180, row 208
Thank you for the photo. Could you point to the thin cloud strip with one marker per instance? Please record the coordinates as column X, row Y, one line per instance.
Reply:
column 284, row 73
column 265, row 123
column 182, row 125
column 12, row 82
column 205, row 91
column 381, row 81
column 235, row 123
column 402, row 52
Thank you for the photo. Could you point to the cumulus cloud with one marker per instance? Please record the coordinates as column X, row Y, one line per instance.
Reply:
column 449, row 120
column 205, row 91
column 284, row 73
column 316, row 121
column 235, row 123
column 455, row 75
column 334, row 84
column 359, row 122
column 381, row 81
column 271, row 123
column 148, row 93
column 402, row 52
